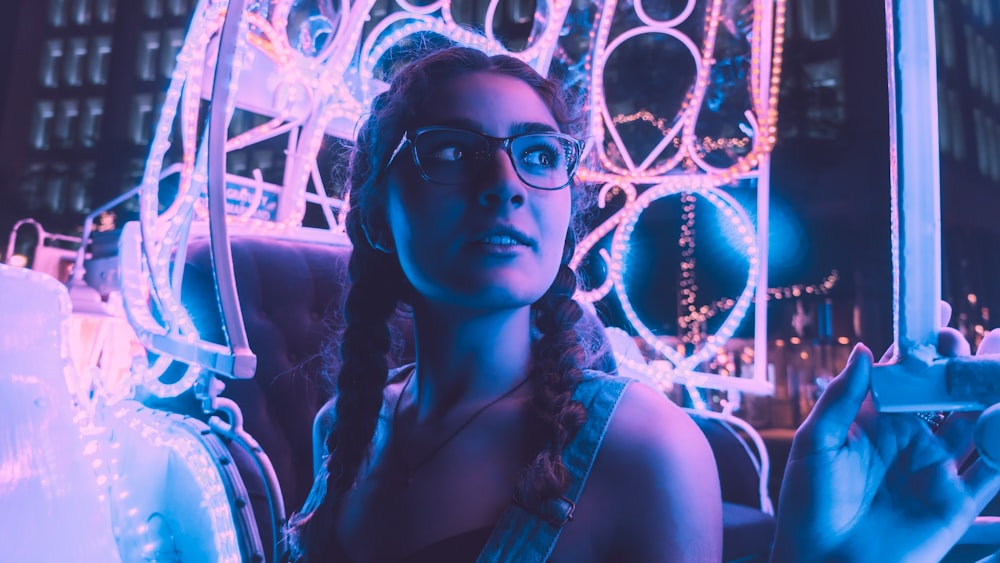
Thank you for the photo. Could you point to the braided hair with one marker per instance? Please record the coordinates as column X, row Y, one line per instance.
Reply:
column 378, row 286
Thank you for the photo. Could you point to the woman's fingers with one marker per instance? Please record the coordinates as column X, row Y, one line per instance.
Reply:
column 952, row 344
column 956, row 434
column 888, row 354
column 944, row 313
column 830, row 421
column 982, row 482
column 990, row 343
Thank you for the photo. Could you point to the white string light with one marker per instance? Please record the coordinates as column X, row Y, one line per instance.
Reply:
column 326, row 92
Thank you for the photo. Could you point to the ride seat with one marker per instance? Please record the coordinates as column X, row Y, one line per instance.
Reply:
column 291, row 295
column 747, row 514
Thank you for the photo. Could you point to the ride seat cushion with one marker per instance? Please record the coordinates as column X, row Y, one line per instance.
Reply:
column 289, row 293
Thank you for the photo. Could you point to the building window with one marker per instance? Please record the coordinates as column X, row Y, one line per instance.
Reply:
column 982, row 150
column 105, row 10
column 100, row 59
column 79, row 200
column 824, row 99
column 41, row 124
column 957, row 133
column 173, row 40
column 149, row 48
column 994, row 149
column 141, row 119
column 262, row 160
column 54, row 188
column 236, row 162
column 90, row 121
column 135, row 169
column 153, row 8
column 985, row 72
column 52, row 55
column 982, row 11
column 31, row 186
column 971, row 57
column 177, row 7
column 817, row 19
column 76, row 54
column 81, row 12
column 945, row 34
column 57, row 13
column 995, row 74
column 944, row 121
column 67, row 119
column 239, row 123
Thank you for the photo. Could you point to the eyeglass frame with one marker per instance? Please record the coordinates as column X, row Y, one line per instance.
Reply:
column 410, row 136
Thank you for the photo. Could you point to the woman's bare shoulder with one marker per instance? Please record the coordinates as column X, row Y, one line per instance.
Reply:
column 647, row 422
column 664, row 480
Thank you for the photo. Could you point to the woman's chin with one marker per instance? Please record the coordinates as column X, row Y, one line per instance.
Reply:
column 487, row 295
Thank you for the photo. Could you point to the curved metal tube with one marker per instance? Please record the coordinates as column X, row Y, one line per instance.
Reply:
column 244, row 360
column 235, row 432
column 13, row 235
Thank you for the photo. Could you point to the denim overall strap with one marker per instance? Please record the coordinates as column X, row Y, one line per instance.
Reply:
column 526, row 535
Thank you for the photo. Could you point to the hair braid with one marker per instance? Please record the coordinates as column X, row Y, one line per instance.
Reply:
column 559, row 358
column 377, row 285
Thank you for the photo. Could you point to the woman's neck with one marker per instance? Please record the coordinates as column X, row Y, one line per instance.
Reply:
column 468, row 357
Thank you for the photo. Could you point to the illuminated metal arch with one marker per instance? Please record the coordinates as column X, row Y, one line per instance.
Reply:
column 307, row 96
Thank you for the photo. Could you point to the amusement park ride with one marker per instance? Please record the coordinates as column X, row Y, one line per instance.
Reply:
column 153, row 409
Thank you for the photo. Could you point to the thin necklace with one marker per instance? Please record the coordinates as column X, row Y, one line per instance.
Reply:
column 411, row 470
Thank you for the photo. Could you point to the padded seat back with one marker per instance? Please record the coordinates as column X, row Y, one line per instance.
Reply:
column 291, row 294
column 741, row 458
column 747, row 514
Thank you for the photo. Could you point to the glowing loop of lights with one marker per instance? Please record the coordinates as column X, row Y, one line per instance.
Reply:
column 645, row 171
column 327, row 93
column 159, row 433
column 707, row 177
column 619, row 250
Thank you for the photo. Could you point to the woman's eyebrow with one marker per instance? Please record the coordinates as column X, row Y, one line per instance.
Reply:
column 531, row 127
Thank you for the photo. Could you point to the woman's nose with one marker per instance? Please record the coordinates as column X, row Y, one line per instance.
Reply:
column 502, row 185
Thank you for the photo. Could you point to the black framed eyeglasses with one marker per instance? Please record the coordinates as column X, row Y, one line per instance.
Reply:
column 545, row 160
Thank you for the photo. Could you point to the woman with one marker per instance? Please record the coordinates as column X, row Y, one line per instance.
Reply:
column 461, row 206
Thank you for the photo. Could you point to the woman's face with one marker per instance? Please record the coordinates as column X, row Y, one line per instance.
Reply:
column 492, row 241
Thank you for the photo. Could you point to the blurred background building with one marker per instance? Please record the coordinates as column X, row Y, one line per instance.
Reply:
column 831, row 158
column 81, row 84
column 84, row 79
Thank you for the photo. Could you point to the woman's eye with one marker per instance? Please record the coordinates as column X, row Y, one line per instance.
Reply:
column 446, row 153
column 540, row 157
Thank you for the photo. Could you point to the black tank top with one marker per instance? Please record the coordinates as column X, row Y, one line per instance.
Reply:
column 461, row 548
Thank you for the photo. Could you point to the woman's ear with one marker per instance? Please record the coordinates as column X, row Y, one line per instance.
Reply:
column 379, row 239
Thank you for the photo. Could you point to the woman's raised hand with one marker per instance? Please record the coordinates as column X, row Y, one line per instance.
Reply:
column 861, row 485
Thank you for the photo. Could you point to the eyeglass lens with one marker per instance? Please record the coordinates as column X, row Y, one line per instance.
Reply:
column 449, row 156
